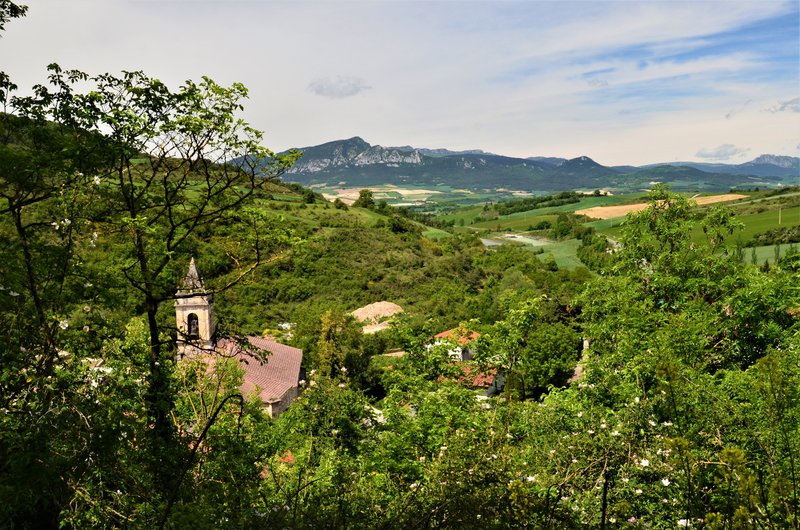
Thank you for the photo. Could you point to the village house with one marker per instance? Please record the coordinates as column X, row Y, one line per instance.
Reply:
column 461, row 338
column 271, row 369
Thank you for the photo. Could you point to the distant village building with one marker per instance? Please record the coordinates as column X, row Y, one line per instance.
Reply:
column 274, row 380
column 462, row 338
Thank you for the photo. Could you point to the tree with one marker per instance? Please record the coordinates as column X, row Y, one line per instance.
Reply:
column 365, row 199
column 133, row 166
column 9, row 10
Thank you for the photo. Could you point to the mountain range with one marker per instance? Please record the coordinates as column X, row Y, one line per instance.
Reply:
column 356, row 163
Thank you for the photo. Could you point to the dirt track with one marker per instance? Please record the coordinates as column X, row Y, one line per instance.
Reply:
column 609, row 212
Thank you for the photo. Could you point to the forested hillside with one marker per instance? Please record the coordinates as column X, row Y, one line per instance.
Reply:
column 682, row 409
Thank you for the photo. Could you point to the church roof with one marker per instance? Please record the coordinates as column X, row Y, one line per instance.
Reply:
column 271, row 378
column 193, row 281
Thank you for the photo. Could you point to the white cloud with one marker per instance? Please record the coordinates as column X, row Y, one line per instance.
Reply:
column 721, row 152
column 338, row 87
column 790, row 105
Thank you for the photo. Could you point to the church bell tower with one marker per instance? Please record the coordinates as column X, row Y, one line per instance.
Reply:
column 194, row 314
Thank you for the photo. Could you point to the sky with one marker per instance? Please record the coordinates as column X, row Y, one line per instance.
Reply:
column 623, row 82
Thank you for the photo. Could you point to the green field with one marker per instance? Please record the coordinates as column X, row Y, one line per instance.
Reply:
column 520, row 221
column 564, row 253
column 767, row 253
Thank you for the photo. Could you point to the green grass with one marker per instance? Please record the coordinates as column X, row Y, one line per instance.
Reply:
column 564, row 252
column 767, row 253
column 761, row 222
column 435, row 233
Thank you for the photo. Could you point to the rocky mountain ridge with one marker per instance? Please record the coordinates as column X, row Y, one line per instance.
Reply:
column 354, row 162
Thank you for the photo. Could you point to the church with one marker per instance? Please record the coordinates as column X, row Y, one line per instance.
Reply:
column 274, row 378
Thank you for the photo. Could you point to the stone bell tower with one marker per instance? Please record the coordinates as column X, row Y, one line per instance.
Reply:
column 194, row 314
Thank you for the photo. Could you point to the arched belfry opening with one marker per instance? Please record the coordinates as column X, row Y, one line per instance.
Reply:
column 193, row 328
column 194, row 313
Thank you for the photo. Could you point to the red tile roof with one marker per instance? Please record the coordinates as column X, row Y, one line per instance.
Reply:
column 476, row 379
column 461, row 335
column 274, row 376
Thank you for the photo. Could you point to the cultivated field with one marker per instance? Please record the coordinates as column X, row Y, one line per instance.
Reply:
column 610, row 212
column 411, row 196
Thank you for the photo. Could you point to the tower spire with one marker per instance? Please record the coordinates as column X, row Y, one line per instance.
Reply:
column 194, row 313
column 193, row 282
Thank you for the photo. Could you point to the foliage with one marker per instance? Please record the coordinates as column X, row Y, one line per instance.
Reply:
column 365, row 199
column 776, row 236
column 533, row 203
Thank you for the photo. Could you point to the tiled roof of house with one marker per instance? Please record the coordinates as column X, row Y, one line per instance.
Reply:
column 272, row 377
column 462, row 335
column 475, row 378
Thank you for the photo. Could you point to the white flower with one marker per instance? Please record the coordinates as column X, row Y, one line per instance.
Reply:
column 301, row 382
column 552, row 451
column 13, row 293
column 615, row 433
column 652, row 423
column 644, row 463
column 638, row 491
column 63, row 324
column 96, row 179
column 580, row 414
column 636, row 399
column 665, row 481
column 683, row 522
column 341, row 385
column 343, row 369
column 530, row 478
column 667, row 424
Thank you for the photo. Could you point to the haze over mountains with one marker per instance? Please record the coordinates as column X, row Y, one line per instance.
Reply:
column 356, row 163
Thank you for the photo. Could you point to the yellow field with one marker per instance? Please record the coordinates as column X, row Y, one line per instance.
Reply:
column 609, row 212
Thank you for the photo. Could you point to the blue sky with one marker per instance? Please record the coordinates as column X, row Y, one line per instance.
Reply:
column 624, row 82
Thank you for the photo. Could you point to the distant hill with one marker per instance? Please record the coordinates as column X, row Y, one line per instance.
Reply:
column 761, row 166
column 356, row 163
